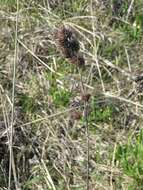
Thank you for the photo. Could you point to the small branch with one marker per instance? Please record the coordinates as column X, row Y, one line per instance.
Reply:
column 87, row 140
column 85, row 116
column 129, row 9
column 11, row 157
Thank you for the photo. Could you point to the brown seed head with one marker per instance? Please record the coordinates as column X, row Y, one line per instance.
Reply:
column 76, row 115
column 67, row 41
column 78, row 60
column 85, row 97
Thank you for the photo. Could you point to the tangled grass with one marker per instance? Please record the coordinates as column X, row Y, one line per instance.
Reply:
column 61, row 126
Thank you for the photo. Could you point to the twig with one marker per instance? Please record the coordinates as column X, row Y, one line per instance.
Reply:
column 11, row 157
column 85, row 116
column 129, row 9
column 128, row 60
column 87, row 140
column 37, row 58
column 122, row 99
column 112, row 167
column 49, row 117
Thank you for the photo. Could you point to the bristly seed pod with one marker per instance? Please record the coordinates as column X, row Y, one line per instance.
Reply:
column 67, row 41
column 69, row 45
column 78, row 60
column 85, row 97
column 76, row 115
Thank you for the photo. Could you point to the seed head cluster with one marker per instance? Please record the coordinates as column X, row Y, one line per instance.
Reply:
column 68, row 44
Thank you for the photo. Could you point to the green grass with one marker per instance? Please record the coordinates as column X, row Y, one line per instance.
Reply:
column 130, row 159
column 101, row 112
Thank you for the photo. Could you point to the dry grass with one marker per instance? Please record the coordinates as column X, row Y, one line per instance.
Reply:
column 51, row 137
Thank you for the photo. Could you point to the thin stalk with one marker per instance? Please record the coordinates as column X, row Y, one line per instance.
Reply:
column 11, row 158
column 87, row 140
column 85, row 116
